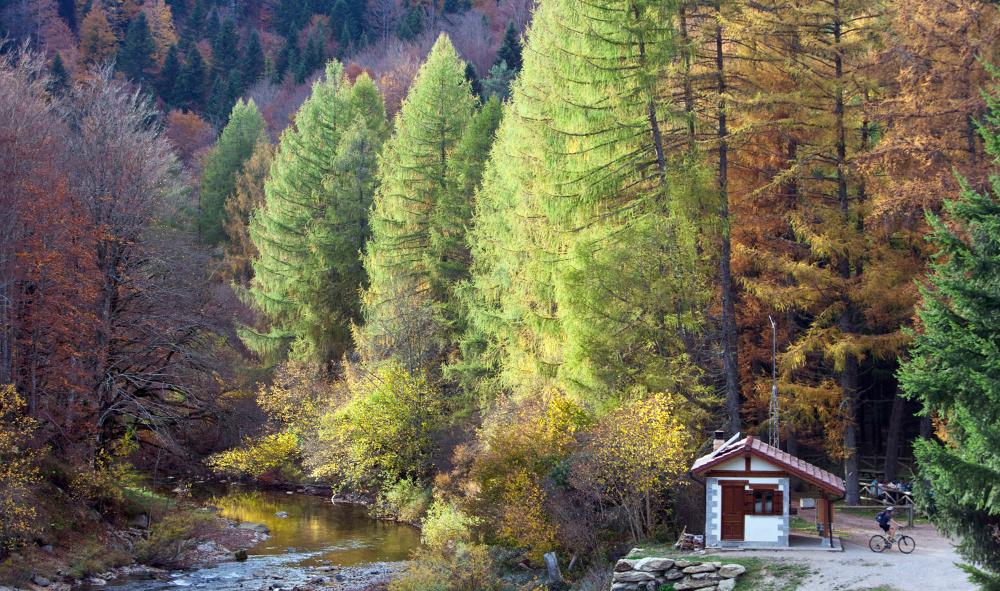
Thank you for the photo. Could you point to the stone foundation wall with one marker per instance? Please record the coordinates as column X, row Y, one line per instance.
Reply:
column 648, row 574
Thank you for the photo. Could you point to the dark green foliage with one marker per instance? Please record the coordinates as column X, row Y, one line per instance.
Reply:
column 473, row 78
column 212, row 25
column 225, row 50
column 411, row 23
column 287, row 61
column 58, row 77
column 253, row 60
column 196, row 20
column 954, row 370
column 311, row 59
column 191, row 84
column 223, row 163
column 170, row 75
column 136, row 55
column 290, row 16
column 225, row 91
column 498, row 83
column 510, row 49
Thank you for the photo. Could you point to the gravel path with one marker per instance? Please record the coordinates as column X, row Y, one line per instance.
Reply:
column 931, row 567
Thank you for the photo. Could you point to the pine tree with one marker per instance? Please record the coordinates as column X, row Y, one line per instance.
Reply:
column 586, row 274
column 473, row 78
column 313, row 222
column 954, row 370
column 253, row 60
column 510, row 50
column 59, row 80
column 191, row 86
column 224, row 163
column 196, row 20
column 225, row 50
column 136, row 55
column 170, row 78
column 97, row 41
column 225, row 91
column 408, row 261
column 246, row 199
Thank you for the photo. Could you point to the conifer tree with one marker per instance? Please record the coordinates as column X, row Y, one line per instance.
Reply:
column 59, row 80
column 191, row 86
column 252, row 67
column 225, row 50
column 97, row 41
column 313, row 222
column 510, row 50
column 170, row 78
column 473, row 78
column 408, row 260
column 247, row 198
column 136, row 55
column 224, row 163
column 225, row 90
column 161, row 27
column 954, row 371
column 585, row 270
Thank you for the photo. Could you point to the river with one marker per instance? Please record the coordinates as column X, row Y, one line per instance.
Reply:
column 317, row 540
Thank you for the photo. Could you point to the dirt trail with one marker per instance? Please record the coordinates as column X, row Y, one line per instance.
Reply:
column 931, row 567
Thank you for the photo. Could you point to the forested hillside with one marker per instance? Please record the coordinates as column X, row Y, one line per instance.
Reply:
column 499, row 267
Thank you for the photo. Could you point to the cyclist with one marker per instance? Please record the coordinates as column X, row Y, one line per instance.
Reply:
column 887, row 523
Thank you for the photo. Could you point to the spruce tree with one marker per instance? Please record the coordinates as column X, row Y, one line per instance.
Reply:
column 59, row 81
column 222, row 165
column 191, row 86
column 225, row 50
column 313, row 222
column 136, row 54
column 473, row 78
column 252, row 67
column 510, row 50
column 954, row 371
column 170, row 76
column 409, row 263
column 225, row 90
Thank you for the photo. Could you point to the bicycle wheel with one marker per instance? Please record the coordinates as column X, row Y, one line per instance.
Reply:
column 906, row 544
column 878, row 543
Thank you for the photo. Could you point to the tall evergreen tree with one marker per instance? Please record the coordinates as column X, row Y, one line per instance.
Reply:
column 191, row 86
column 59, row 81
column 313, row 222
column 252, row 67
column 170, row 78
column 510, row 50
column 954, row 371
column 241, row 205
column 136, row 54
column 224, row 163
column 586, row 273
column 225, row 50
column 408, row 260
column 225, row 91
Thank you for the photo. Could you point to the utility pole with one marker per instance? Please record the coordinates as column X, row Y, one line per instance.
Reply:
column 773, row 433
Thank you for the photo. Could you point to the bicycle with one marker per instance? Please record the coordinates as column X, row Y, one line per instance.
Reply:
column 905, row 544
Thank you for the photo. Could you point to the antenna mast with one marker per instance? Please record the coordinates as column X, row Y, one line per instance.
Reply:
column 772, row 428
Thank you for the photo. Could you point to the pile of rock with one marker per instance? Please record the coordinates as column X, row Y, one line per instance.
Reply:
column 649, row 574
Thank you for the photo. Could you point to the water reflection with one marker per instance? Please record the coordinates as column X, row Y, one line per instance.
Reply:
column 331, row 534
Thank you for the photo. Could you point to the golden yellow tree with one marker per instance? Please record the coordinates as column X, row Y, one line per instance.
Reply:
column 18, row 470
column 161, row 27
column 98, row 43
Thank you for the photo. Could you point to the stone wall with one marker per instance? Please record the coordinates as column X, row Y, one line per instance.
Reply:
column 648, row 574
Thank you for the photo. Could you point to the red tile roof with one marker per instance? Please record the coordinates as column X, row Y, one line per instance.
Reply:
column 793, row 465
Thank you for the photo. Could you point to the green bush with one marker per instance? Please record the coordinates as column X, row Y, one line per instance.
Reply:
column 446, row 527
column 468, row 568
column 406, row 500
column 173, row 536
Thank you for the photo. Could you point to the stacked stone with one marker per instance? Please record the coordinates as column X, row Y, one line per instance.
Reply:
column 649, row 574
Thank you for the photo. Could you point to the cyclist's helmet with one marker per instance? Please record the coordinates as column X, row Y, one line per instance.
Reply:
column 890, row 509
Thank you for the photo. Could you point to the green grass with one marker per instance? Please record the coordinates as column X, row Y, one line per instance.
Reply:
column 762, row 574
column 140, row 500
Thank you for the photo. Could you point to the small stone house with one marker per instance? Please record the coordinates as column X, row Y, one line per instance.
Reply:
column 748, row 493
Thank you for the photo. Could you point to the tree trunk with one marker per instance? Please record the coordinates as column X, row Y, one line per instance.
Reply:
column 730, row 359
column 892, row 437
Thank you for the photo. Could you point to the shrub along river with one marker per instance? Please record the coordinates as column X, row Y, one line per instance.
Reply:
column 317, row 543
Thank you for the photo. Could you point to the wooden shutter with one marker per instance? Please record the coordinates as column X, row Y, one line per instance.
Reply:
column 748, row 502
column 779, row 503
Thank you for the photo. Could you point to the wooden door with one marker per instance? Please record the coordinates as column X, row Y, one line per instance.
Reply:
column 732, row 512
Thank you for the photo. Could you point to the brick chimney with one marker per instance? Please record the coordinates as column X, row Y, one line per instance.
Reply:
column 720, row 439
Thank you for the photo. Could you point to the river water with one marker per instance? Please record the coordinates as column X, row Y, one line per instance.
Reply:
column 315, row 540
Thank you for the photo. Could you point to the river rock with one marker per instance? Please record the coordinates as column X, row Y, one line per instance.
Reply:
column 624, row 564
column 96, row 582
column 691, row 584
column 40, row 581
column 240, row 555
column 731, row 571
column 257, row 527
column 139, row 521
column 653, row 564
column 624, row 586
column 633, row 576
column 281, row 514
column 699, row 568
column 727, row 585
column 673, row 574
